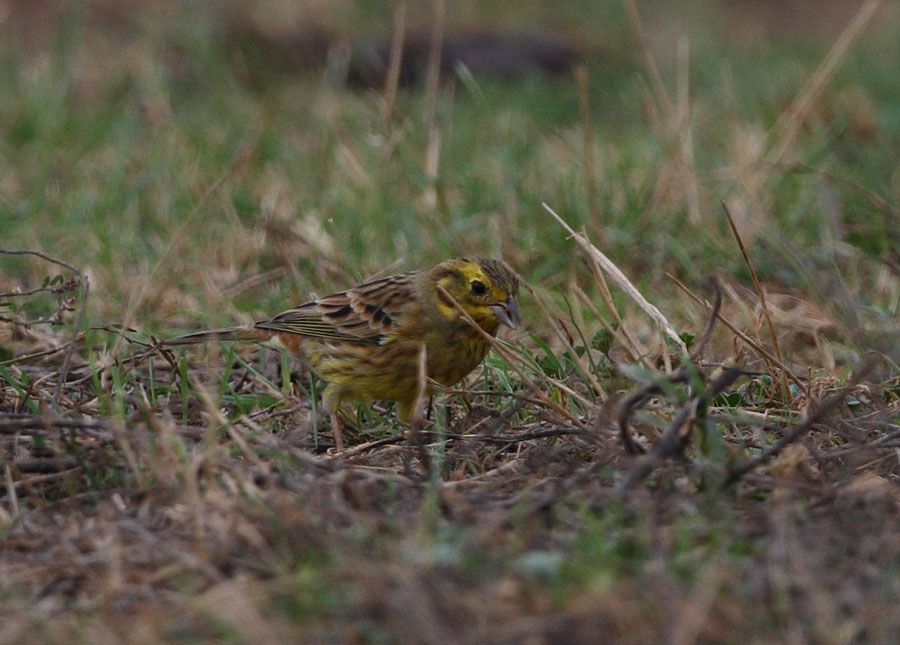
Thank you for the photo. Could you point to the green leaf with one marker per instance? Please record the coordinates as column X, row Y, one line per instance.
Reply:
column 602, row 340
column 549, row 363
column 728, row 399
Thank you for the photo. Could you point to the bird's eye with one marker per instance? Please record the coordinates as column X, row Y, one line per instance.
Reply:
column 479, row 288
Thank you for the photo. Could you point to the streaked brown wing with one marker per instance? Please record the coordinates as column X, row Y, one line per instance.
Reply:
column 363, row 314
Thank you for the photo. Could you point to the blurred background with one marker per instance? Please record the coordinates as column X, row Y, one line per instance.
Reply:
column 208, row 161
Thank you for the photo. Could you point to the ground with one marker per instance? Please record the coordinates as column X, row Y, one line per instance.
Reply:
column 694, row 437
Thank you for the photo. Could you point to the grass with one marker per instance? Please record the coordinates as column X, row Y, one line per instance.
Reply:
column 192, row 496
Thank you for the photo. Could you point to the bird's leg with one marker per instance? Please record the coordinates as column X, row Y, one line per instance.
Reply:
column 448, row 414
column 430, row 408
column 336, row 431
column 332, row 398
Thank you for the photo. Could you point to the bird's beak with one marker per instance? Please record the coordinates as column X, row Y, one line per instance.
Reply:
column 508, row 312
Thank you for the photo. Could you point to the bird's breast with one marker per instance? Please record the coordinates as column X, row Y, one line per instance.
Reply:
column 453, row 356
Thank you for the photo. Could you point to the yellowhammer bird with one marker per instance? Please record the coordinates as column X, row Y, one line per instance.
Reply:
column 365, row 341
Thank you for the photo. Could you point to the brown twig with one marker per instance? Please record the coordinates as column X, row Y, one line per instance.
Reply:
column 355, row 451
column 55, row 289
column 424, row 436
column 43, row 256
column 710, row 323
column 511, row 395
column 28, row 486
column 525, row 436
column 18, row 424
column 40, row 354
column 45, row 465
column 762, row 297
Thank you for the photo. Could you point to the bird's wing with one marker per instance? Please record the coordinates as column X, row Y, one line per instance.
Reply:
column 364, row 314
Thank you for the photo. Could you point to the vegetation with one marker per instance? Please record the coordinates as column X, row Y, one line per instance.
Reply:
column 694, row 436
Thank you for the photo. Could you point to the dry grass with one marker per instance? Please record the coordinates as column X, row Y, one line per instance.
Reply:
column 150, row 505
column 605, row 472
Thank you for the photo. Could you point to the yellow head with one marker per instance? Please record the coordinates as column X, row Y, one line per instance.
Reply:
column 483, row 287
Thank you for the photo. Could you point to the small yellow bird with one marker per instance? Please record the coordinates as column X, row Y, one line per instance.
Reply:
column 365, row 341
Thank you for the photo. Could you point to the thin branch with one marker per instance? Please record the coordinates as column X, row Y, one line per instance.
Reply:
column 55, row 289
column 10, row 425
column 43, row 256
column 759, row 292
column 40, row 354
column 710, row 324
column 45, row 465
column 355, row 451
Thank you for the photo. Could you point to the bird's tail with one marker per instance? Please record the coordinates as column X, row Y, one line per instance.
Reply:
column 246, row 334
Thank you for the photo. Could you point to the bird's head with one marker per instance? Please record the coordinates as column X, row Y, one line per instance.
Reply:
column 484, row 288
